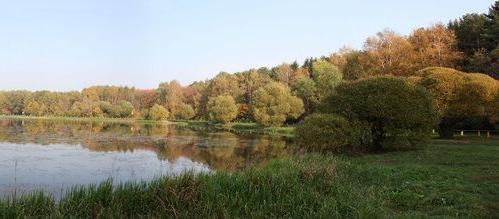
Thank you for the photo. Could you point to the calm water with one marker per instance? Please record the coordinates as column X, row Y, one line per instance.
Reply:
column 54, row 155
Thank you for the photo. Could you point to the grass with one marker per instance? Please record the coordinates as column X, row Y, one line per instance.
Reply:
column 446, row 178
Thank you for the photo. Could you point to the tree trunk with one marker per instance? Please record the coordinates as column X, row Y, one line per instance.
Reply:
column 445, row 130
column 378, row 137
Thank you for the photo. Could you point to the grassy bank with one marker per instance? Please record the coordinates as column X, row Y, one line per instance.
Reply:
column 454, row 178
column 235, row 127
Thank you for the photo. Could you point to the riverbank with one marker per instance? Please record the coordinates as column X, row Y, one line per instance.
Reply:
column 235, row 127
column 240, row 127
column 448, row 178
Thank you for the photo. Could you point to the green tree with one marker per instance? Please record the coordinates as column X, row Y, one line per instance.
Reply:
column 491, row 31
column 353, row 68
column 469, row 30
column 250, row 81
column 326, row 76
column 330, row 132
column 306, row 89
column 107, row 108
column 397, row 112
column 273, row 104
column 158, row 112
column 123, row 109
column 224, row 84
column 477, row 39
column 222, row 109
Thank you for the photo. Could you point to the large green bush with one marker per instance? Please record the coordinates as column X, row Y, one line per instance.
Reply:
column 330, row 132
column 185, row 111
column 158, row 112
column 398, row 113
column 222, row 109
column 274, row 103
column 459, row 96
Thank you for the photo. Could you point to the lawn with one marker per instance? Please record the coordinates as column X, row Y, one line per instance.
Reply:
column 448, row 178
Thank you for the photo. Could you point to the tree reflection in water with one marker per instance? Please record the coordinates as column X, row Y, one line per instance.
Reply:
column 219, row 150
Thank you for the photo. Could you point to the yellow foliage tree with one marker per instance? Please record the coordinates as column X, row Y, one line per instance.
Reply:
column 458, row 95
column 435, row 46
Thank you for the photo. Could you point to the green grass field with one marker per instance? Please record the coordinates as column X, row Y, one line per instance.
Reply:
column 447, row 178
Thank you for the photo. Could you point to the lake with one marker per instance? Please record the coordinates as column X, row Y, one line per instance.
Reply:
column 53, row 155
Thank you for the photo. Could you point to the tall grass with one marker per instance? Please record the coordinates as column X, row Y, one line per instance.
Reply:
column 447, row 178
column 291, row 187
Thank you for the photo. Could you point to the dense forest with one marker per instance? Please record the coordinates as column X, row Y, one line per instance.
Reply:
column 288, row 92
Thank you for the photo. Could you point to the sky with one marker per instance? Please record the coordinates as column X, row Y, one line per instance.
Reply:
column 67, row 45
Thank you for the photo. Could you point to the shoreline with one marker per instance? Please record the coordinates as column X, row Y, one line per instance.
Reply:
column 234, row 127
column 412, row 183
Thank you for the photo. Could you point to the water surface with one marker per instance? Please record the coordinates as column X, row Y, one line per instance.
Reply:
column 54, row 155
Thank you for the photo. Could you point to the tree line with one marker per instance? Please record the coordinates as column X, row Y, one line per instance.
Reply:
column 288, row 92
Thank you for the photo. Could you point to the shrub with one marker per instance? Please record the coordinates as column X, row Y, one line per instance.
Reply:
column 185, row 111
column 397, row 112
column 273, row 104
column 330, row 132
column 123, row 109
column 222, row 109
column 158, row 112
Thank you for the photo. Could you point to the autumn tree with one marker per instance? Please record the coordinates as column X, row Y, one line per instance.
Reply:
column 193, row 94
column 123, row 109
column 283, row 73
column 145, row 99
column 388, row 53
column 435, row 46
column 273, row 104
column 222, row 85
column 458, row 95
column 77, row 110
column 250, row 81
column 158, row 112
column 171, row 96
column 339, row 58
column 33, row 108
column 222, row 109
column 185, row 111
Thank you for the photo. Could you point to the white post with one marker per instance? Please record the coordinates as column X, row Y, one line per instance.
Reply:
column 478, row 132
column 462, row 133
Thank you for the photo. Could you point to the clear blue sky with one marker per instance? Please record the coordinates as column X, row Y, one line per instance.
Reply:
column 71, row 44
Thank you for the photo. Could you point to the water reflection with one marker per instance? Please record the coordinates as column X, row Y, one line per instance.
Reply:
column 50, row 154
